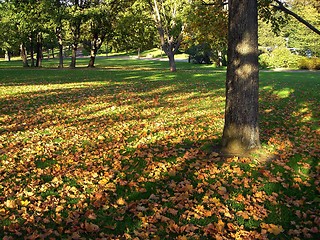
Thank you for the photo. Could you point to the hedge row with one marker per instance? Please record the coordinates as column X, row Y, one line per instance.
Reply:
column 283, row 58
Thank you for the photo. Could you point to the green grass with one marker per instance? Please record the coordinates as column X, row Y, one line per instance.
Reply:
column 125, row 150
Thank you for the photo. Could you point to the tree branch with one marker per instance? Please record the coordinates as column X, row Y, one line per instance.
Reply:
column 224, row 2
column 281, row 7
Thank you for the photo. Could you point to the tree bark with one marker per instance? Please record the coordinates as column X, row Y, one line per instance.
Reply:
column 74, row 56
column 95, row 46
column 60, row 53
column 7, row 56
column 31, row 51
column 93, row 54
column 172, row 62
column 39, row 50
column 241, row 129
column 23, row 54
column 60, row 44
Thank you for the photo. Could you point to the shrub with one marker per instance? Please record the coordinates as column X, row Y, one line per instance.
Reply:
column 200, row 53
column 309, row 63
column 279, row 58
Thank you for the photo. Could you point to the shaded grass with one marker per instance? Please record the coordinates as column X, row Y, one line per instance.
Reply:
column 124, row 151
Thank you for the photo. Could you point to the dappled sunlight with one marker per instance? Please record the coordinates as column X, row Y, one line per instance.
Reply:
column 14, row 90
column 245, row 70
column 283, row 93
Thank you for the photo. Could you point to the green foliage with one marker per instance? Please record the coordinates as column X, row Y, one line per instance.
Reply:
column 268, row 38
column 299, row 36
column 135, row 29
column 279, row 58
column 206, row 25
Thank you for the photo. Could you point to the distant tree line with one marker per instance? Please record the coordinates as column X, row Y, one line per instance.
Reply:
column 29, row 27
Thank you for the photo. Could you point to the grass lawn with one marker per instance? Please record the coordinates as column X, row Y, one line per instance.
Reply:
column 124, row 151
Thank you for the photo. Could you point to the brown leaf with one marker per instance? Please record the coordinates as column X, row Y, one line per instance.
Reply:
column 174, row 212
column 90, row 227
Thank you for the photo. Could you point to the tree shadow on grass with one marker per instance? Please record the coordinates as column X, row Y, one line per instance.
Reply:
column 290, row 127
column 65, row 103
column 150, row 179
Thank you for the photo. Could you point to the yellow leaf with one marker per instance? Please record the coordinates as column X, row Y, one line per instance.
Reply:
column 103, row 181
column 220, row 226
column 275, row 229
column 121, row 201
column 101, row 138
column 10, row 204
column 24, row 203
column 59, row 208
column 182, row 238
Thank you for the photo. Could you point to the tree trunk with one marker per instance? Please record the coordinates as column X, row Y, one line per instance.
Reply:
column 31, row 51
column 172, row 62
column 39, row 50
column 60, row 54
column 60, row 43
column 74, row 56
column 23, row 54
column 93, row 54
column 52, row 51
column 7, row 56
column 241, row 129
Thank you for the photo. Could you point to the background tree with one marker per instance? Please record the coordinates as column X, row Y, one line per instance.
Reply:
column 56, row 11
column 75, row 17
column 268, row 39
column 168, row 18
column 207, row 25
column 100, row 22
column 24, row 29
column 298, row 35
column 9, row 39
column 135, row 29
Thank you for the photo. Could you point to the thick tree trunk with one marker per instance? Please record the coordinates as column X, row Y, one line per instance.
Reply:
column 23, row 54
column 74, row 56
column 241, row 129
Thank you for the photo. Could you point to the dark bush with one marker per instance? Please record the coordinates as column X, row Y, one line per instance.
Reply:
column 200, row 53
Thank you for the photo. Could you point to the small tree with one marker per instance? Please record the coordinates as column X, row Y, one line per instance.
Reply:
column 168, row 20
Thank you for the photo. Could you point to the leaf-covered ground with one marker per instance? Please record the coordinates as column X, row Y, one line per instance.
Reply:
column 127, row 153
